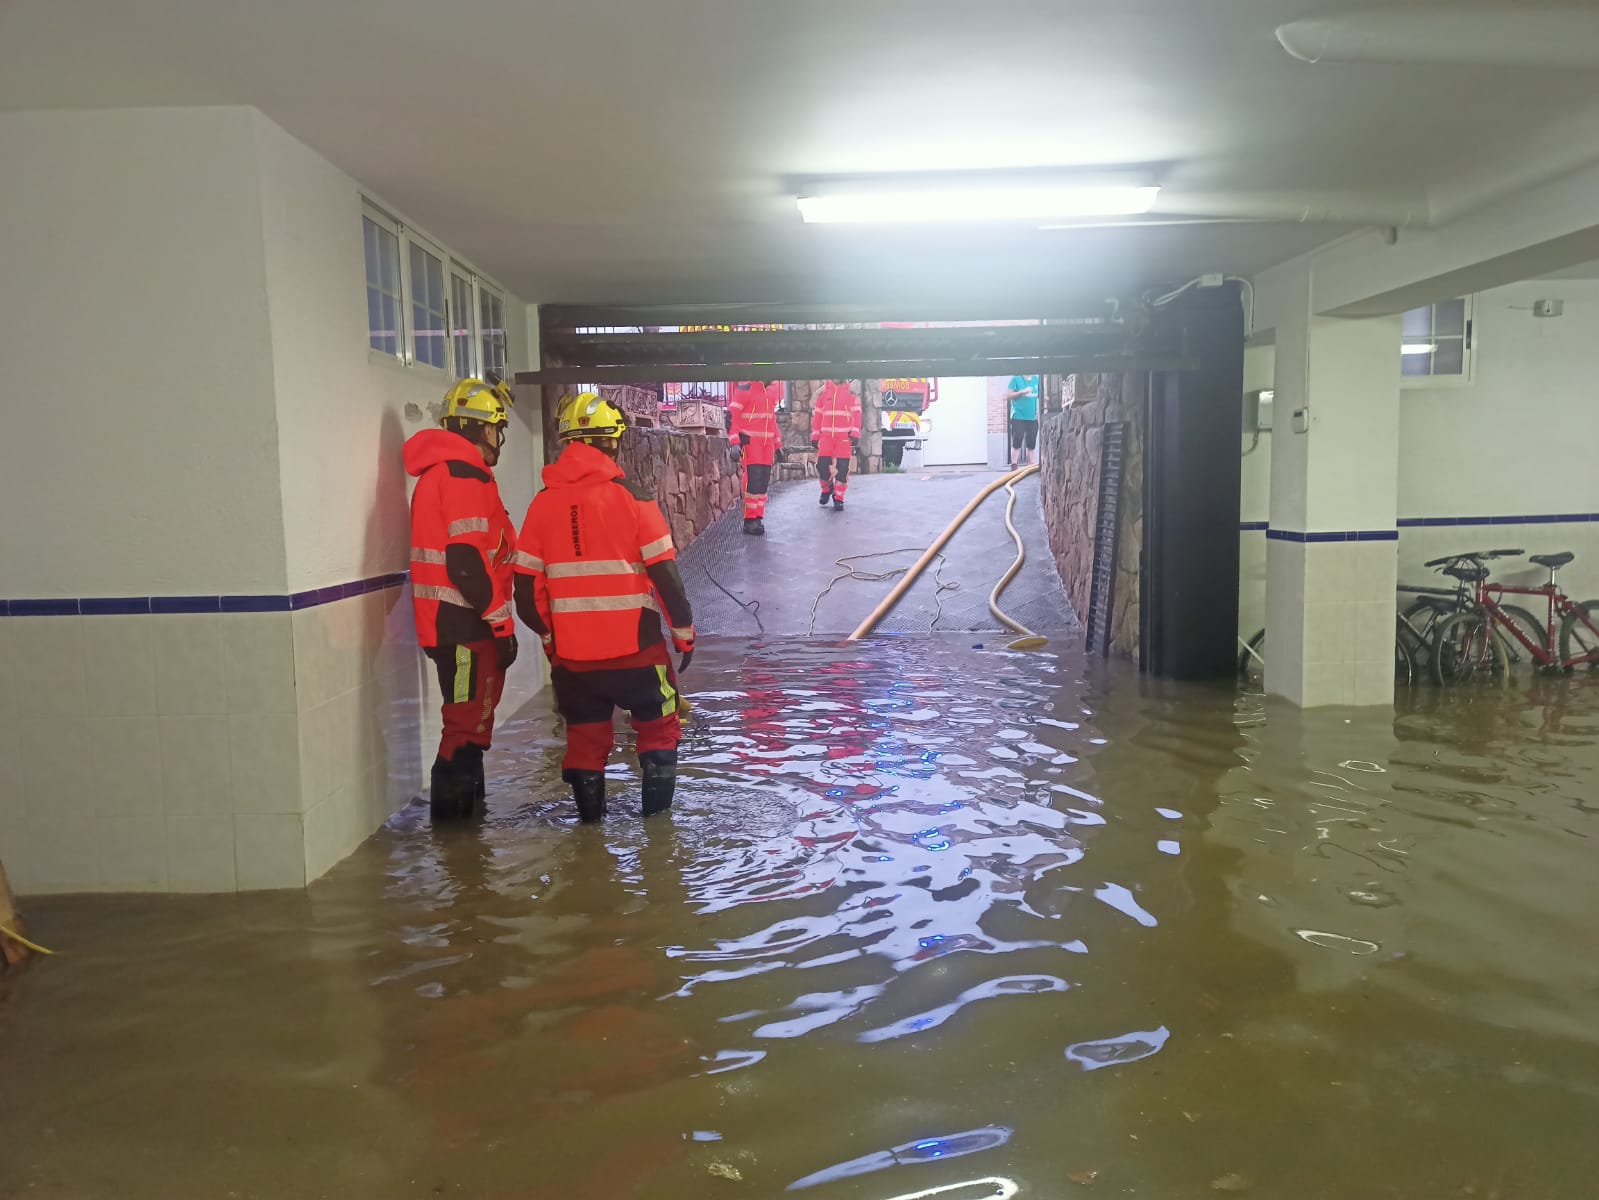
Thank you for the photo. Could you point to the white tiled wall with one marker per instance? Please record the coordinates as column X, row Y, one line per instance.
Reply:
column 205, row 752
column 1335, row 600
column 1580, row 580
column 360, row 719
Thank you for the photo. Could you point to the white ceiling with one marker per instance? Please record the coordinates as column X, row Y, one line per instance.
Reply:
column 637, row 150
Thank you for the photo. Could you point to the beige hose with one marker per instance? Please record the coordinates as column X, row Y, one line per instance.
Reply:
column 1029, row 640
column 910, row 577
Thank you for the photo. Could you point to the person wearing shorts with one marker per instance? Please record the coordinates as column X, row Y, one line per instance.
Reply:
column 1022, row 393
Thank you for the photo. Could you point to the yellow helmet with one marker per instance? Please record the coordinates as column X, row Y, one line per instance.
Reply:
column 475, row 400
column 589, row 415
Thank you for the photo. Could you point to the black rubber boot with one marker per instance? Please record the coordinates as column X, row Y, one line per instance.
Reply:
column 453, row 793
column 752, row 526
column 659, row 768
column 826, row 496
column 838, row 505
column 588, row 789
column 472, row 759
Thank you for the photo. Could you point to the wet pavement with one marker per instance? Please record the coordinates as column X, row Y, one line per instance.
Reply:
column 924, row 915
column 792, row 582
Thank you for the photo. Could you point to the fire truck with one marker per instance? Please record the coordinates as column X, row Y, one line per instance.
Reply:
column 905, row 425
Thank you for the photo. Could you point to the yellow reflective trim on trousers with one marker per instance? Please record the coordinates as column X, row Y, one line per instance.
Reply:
column 669, row 705
column 463, row 675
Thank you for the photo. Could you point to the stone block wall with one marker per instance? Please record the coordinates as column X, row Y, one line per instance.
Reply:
column 1069, row 451
column 795, row 423
column 692, row 476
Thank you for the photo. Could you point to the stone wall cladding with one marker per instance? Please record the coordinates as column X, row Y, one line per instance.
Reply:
column 692, row 476
column 1069, row 450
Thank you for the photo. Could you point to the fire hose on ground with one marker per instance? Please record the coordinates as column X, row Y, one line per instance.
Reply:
column 1028, row 639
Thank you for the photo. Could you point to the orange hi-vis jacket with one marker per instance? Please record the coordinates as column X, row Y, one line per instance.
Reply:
column 835, row 420
column 601, row 564
column 462, row 540
column 752, row 413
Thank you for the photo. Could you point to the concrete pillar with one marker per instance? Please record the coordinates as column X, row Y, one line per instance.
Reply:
column 1332, row 544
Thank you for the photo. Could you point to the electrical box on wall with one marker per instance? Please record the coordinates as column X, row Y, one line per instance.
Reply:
column 1257, row 410
column 1548, row 308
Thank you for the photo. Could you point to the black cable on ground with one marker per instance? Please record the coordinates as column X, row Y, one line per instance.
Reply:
column 940, row 587
column 753, row 607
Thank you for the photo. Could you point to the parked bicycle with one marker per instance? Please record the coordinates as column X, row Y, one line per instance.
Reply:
column 1417, row 626
column 1421, row 620
column 1482, row 637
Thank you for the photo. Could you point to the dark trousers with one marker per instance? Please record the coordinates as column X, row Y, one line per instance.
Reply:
column 757, row 481
column 472, row 682
column 589, row 700
column 834, row 474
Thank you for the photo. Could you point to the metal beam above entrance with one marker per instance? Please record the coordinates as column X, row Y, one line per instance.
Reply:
column 863, row 369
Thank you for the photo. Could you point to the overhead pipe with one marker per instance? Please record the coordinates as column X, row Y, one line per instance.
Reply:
column 1310, row 208
column 1564, row 37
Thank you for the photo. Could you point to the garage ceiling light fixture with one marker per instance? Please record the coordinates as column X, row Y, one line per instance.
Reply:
column 1418, row 348
column 922, row 200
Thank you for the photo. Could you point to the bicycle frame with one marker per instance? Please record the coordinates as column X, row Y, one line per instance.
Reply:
column 1559, row 605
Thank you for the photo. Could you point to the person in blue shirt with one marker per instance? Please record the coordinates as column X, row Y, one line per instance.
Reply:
column 1022, row 393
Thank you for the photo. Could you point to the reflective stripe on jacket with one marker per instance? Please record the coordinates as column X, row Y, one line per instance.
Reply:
column 601, row 562
column 835, row 420
column 462, row 540
column 752, row 412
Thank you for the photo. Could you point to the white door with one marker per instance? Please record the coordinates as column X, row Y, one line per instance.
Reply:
column 958, row 421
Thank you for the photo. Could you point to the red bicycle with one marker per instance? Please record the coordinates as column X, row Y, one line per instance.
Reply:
column 1475, row 639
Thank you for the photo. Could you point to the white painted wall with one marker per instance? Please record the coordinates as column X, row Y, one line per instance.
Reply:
column 1517, row 441
column 958, row 423
column 341, row 408
column 140, row 436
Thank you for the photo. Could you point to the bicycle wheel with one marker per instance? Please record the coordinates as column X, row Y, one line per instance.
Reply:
column 1252, row 662
column 1530, row 625
column 1404, row 661
column 1577, row 637
column 1465, row 645
column 1424, row 617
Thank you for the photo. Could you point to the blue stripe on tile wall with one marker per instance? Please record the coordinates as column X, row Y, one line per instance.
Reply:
column 97, row 606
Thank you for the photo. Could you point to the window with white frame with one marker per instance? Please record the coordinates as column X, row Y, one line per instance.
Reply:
column 383, row 304
column 430, row 322
column 1436, row 343
column 463, row 337
column 491, row 330
column 425, row 307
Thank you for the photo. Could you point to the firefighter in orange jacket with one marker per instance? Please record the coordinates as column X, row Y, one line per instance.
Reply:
column 835, row 434
column 594, row 566
column 462, row 540
column 752, row 431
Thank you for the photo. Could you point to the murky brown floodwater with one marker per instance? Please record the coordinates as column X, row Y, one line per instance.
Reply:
column 926, row 915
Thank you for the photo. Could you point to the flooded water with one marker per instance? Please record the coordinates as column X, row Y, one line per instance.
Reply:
column 926, row 915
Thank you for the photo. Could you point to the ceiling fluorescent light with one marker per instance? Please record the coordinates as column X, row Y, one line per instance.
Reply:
column 902, row 203
column 1418, row 348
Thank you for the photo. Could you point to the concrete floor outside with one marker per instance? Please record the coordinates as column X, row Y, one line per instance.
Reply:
column 926, row 916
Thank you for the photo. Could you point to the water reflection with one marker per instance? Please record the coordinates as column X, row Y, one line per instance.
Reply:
column 909, row 890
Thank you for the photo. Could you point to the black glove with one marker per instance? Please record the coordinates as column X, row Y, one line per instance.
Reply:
column 507, row 650
column 682, row 664
column 743, row 439
column 855, row 443
column 736, row 451
column 779, row 454
column 815, row 445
